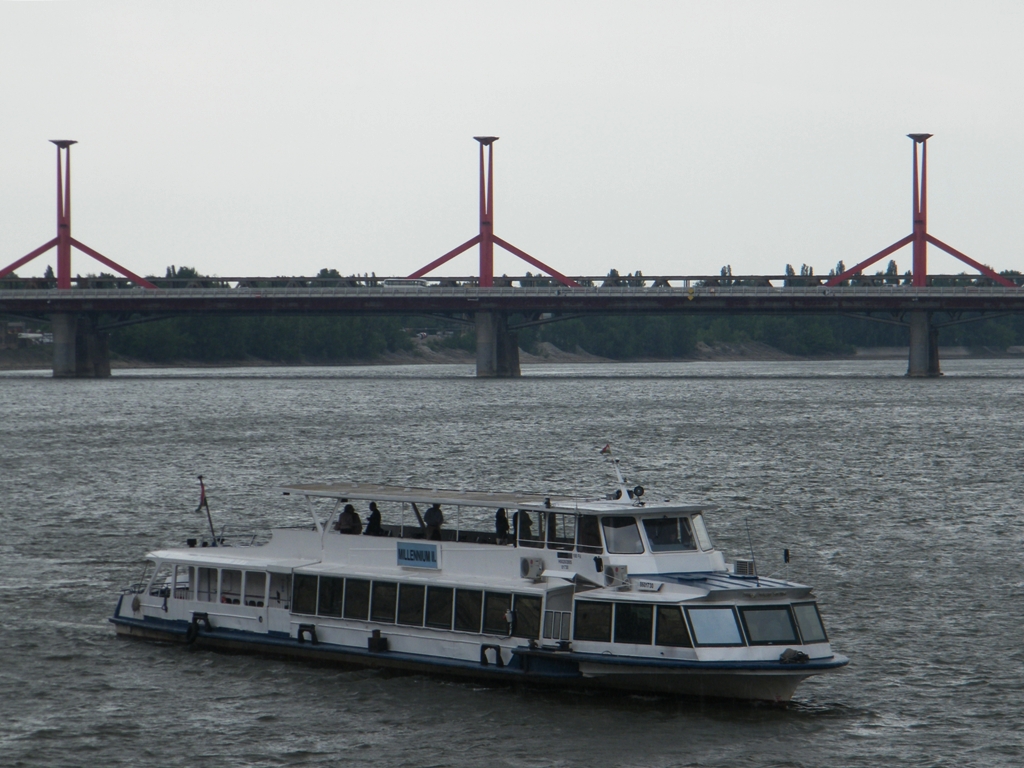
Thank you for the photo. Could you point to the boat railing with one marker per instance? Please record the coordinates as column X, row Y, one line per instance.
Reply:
column 234, row 538
column 447, row 534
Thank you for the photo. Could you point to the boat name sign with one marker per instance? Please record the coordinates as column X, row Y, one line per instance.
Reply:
column 418, row 555
column 643, row 585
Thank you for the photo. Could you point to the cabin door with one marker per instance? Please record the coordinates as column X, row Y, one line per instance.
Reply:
column 279, row 600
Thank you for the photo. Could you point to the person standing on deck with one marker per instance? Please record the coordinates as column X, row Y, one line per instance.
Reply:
column 373, row 526
column 501, row 525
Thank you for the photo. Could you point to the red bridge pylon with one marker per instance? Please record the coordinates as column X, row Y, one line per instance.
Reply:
column 64, row 240
column 919, row 235
column 486, row 239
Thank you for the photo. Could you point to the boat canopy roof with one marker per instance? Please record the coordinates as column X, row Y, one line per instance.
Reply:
column 510, row 501
column 230, row 557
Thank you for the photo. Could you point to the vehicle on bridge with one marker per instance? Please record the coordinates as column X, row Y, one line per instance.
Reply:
column 611, row 592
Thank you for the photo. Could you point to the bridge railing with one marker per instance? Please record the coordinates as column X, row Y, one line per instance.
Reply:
column 526, row 282
column 418, row 294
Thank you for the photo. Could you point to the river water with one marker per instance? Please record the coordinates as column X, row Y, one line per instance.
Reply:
column 899, row 499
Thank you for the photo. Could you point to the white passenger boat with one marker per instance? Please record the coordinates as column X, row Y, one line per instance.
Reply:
column 614, row 592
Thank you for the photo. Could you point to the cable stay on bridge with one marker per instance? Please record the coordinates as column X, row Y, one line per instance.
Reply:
column 919, row 235
column 64, row 241
column 486, row 237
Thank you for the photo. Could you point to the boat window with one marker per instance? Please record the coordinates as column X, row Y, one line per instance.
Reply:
column 304, row 596
column 208, row 585
column 769, row 625
column 440, row 602
column 332, row 589
column 496, row 605
column 280, row 589
column 184, row 581
column 588, row 536
column 410, row 604
column 231, row 586
column 527, row 617
column 357, row 599
column 809, row 621
column 672, row 627
column 634, row 623
column 714, row 626
column 385, row 599
column 531, row 528
column 622, row 536
column 669, row 534
column 160, row 585
column 255, row 588
column 561, row 531
column 702, row 532
column 469, row 604
column 593, row 621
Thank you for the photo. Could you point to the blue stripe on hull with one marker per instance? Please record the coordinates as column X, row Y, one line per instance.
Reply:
column 812, row 666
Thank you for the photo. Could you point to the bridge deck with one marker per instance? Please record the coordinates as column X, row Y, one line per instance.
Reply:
column 611, row 300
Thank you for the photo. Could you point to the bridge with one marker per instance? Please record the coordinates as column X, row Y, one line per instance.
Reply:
column 83, row 310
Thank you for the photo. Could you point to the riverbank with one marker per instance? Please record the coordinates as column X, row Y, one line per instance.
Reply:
column 40, row 357
column 30, row 358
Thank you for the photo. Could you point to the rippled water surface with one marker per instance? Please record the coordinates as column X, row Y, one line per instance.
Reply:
column 900, row 500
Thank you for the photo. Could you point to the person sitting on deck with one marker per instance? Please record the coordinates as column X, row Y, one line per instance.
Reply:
column 501, row 525
column 433, row 519
column 348, row 521
column 373, row 526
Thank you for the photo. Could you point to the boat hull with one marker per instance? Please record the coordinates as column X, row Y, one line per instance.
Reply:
column 544, row 667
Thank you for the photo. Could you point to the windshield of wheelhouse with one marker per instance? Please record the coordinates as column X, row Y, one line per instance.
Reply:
column 702, row 533
column 669, row 534
column 622, row 536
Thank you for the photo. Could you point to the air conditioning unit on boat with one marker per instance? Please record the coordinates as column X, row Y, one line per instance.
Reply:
column 744, row 568
column 616, row 576
column 531, row 567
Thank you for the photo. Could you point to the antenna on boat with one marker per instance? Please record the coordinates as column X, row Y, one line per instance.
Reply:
column 575, row 483
column 204, row 503
column 623, row 490
column 750, row 543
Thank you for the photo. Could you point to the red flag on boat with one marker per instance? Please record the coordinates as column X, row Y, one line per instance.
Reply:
column 202, row 496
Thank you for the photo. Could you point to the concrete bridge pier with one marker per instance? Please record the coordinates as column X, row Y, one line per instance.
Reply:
column 924, row 346
column 497, row 348
column 79, row 350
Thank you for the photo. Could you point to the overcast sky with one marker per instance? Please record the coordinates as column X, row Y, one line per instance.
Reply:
column 277, row 138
